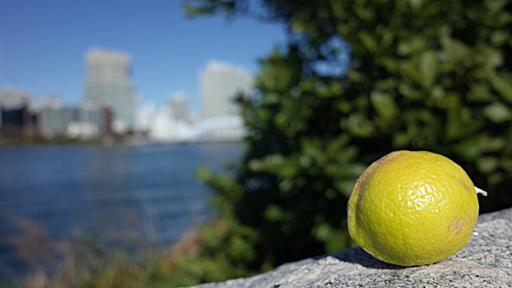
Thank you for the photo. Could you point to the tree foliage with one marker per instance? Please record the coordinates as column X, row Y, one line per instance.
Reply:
column 356, row 80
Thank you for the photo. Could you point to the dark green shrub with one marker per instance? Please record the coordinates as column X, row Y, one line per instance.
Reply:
column 433, row 75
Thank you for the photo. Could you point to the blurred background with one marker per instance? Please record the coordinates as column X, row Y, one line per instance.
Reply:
column 170, row 143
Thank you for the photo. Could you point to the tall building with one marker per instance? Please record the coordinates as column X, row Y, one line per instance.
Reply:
column 220, row 120
column 220, row 84
column 179, row 107
column 109, row 84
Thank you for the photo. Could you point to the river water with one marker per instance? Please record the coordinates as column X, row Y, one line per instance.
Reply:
column 148, row 193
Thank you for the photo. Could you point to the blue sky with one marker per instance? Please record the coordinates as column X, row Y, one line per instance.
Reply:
column 43, row 44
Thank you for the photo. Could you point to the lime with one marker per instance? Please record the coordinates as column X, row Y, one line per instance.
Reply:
column 412, row 208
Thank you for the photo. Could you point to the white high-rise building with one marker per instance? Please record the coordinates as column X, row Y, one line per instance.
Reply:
column 109, row 84
column 220, row 84
column 179, row 107
column 220, row 120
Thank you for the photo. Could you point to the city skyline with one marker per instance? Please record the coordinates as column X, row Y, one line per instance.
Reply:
column 110, row 105
column 42, row 45
column 213, row 67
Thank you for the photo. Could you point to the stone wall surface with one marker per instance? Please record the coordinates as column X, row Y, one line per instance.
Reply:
column 485, row 262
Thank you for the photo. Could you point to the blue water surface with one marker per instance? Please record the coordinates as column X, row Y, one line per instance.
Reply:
column 149, row 193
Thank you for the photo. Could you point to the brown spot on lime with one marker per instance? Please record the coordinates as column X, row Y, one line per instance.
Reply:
column 465, row 185
column 369, row 171
column 456, row 226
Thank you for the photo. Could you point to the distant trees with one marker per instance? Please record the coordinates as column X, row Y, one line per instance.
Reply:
column 433, row 75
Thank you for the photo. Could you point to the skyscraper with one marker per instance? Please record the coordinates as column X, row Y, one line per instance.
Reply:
column 220, row 84
column 109, row 84
column 179, row 107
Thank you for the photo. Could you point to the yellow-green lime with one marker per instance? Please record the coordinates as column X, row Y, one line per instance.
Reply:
column 412, row 208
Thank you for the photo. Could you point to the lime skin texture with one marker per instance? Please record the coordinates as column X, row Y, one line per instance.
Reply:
column 412, row 208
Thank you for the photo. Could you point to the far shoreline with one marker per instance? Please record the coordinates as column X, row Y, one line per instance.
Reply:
column 10, row 143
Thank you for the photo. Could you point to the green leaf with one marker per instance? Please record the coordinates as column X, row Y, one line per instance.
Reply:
column 345, row 186
column 384, row 105
column 470, row 148
column 411, row 45
column 487, row 164
column 415, row 4
column 497, row 112
column 274, row 213
column 460, row 122
column 368, row 41
column 503, row 87
column 334, row 239
column 454, row 52
column 480, row 93
column 359, row 125
column 408, row 92
column 428, row 68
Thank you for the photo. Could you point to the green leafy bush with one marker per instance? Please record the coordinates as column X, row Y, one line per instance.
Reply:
column 433, row 75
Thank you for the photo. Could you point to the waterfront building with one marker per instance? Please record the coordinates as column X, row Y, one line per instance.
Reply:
column 99, row 117
column 46, row 101
column 84, row 122
column 109, row 84
column 220, row 129
column 220, row 85
column 13, row 98
column 54, row 121
column 16, row 118
column 145, row 118
column 179, row 107
column 220, row 120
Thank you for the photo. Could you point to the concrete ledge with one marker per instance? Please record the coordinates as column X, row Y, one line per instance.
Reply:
column 485, row 262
